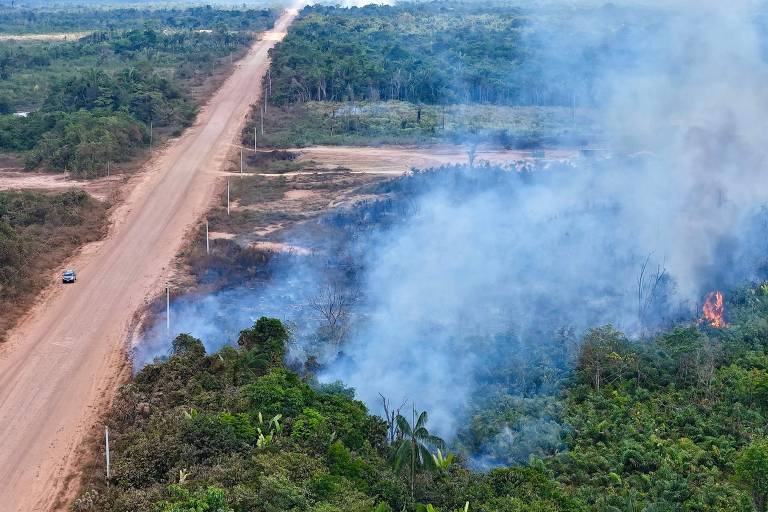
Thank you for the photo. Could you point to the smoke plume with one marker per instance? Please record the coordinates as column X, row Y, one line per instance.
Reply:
column 681, row 190
column 486, row 269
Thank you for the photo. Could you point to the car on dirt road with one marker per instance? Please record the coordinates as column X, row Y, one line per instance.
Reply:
column 68, row 276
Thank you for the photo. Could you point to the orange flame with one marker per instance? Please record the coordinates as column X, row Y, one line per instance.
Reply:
column 714, row 310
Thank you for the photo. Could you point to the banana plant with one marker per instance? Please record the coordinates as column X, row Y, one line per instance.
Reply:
column 263, row 440
column 275, row 428
column 191, row 414
column 442, row 462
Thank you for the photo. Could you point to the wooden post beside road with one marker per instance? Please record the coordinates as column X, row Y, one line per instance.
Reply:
column 106, row 445
column 168, row 310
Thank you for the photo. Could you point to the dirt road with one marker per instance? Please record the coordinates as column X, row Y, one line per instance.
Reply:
column 63, row 362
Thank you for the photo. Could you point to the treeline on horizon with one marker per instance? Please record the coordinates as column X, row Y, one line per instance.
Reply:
column 47, row 18
column 94, row 100
column 443, row 52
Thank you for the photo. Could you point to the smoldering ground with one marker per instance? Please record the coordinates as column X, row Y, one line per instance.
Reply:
column 477, row 279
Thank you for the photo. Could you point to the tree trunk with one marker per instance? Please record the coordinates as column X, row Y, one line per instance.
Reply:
column 413, row 468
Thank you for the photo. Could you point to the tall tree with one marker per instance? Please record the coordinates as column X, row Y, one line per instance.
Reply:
column 414, row 446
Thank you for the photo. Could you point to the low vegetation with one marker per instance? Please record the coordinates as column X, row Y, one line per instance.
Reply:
column 397, row 122
column 37, row 233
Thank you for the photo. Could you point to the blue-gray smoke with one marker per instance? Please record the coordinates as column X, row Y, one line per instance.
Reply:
column 481, row 268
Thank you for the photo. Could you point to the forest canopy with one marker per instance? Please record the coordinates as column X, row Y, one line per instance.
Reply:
column 448, row 52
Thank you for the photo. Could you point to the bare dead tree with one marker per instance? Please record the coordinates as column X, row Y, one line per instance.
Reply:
column 648, row 286
column 389, row 416
column 471, row 154
column 706, row 367
column 333, row 304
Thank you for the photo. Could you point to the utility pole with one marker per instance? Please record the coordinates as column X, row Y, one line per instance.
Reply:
column 573, row 108
column 107, row 168
column 227, row 197
column 168, row 310
column 207, row 240
column 269, row 89
column 106, row 445
column 254, row 139
column 263, row 109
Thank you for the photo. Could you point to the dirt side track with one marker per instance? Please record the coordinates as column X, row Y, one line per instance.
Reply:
column 64, row 361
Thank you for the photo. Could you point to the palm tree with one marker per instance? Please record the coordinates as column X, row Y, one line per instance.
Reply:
column 414, row 445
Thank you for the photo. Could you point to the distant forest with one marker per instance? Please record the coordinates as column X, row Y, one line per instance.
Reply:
column 94, row 100
column 445, row 52
column 49, row 19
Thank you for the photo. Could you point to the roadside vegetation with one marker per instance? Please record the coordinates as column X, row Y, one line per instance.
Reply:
column 38, row 232
column 106, row 97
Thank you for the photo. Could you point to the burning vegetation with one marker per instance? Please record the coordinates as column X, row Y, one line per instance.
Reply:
column 714, row 310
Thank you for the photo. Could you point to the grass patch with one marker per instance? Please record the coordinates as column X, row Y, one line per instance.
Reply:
column 398, row 122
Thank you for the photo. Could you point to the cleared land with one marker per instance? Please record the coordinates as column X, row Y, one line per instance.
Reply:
column 63, row 362
column 64, row 36
column 396, row 122
column 399, row 159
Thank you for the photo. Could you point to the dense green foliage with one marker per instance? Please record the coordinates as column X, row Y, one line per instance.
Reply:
column 433, row 71
column 37, row 231
column 678, row 423
column 413, row 52
column 195, row 431
column 93, row 100
column 451, row 52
